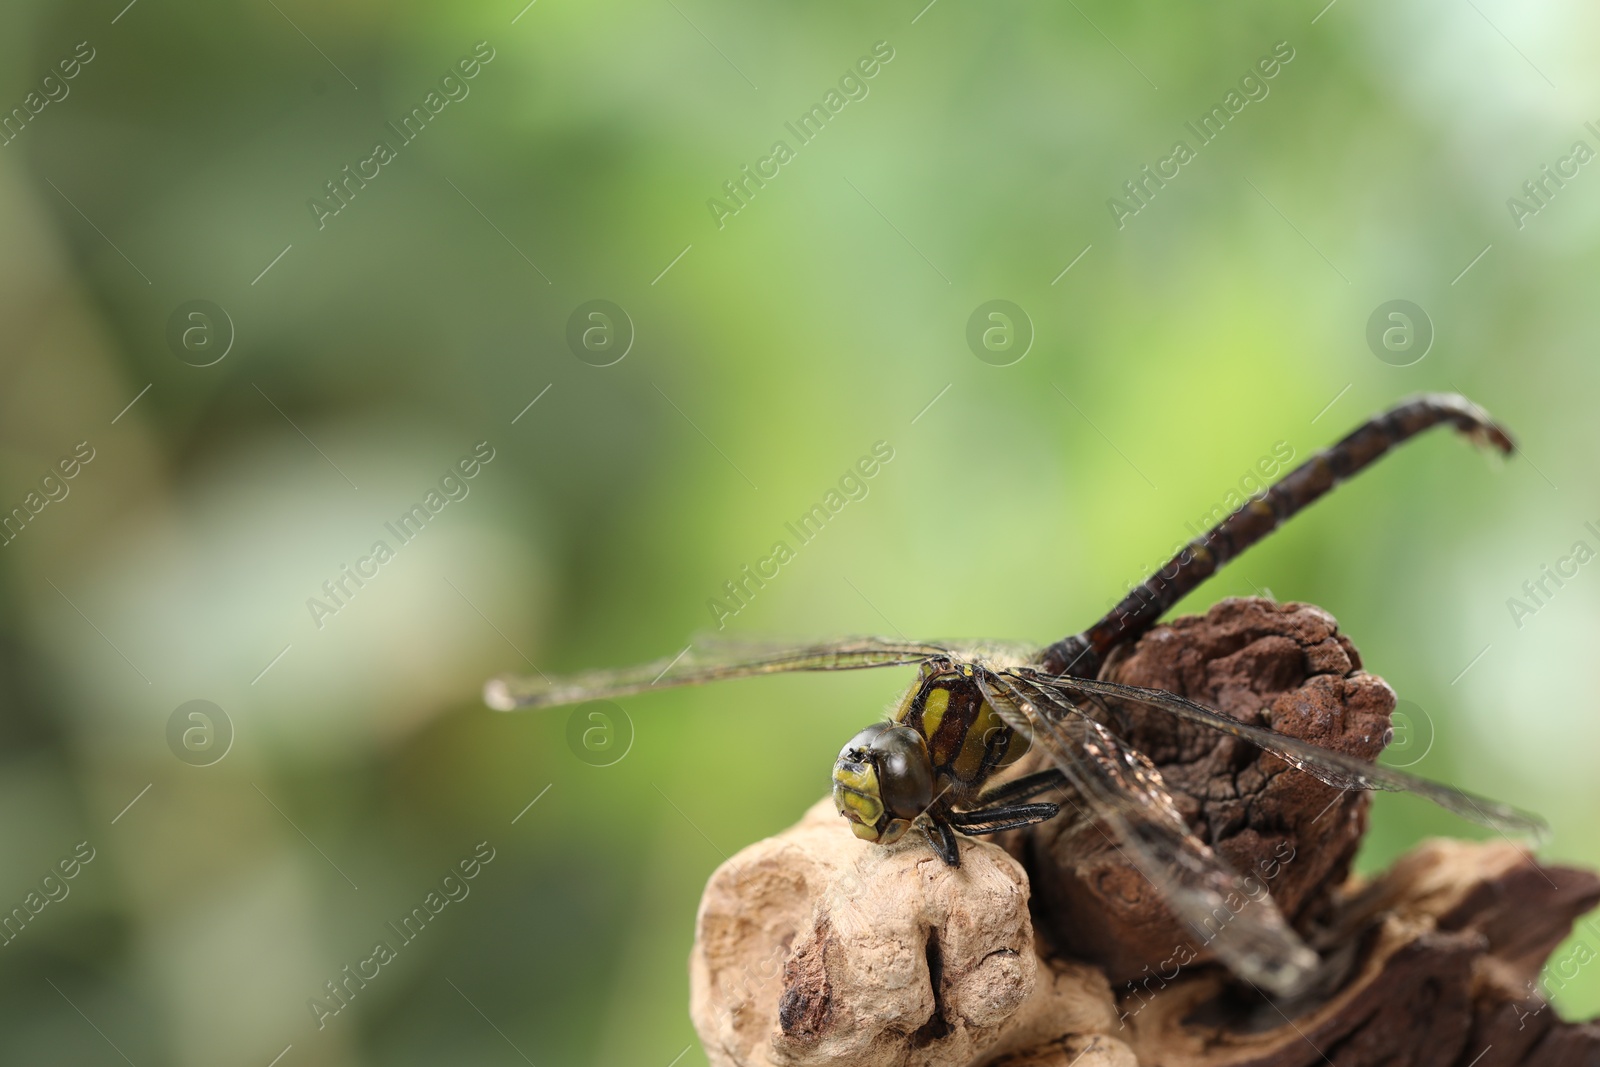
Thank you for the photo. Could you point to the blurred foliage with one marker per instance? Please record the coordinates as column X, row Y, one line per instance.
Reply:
column 1228, row 315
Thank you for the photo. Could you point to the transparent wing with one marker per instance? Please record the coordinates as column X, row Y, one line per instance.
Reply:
column 1334, row 768
column 694, row 667
column 1237, row 921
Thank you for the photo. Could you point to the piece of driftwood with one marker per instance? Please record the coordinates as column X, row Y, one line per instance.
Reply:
column 1285, row 666
column 814, row 948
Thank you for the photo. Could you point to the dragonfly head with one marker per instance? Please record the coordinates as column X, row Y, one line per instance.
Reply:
column 882, row 781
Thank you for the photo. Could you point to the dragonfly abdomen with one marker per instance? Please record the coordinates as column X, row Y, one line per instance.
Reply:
column 1082, row 654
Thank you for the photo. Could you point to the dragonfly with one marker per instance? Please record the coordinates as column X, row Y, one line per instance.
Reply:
column 973, row 710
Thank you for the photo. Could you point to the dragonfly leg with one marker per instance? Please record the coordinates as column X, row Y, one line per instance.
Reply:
column 1002, row 817
column 943, row 839
column 1025, row 788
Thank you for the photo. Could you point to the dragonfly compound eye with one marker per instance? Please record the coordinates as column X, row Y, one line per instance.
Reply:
column 882, row 781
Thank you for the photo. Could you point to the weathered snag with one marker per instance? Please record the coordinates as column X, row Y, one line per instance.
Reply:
column 815, row 949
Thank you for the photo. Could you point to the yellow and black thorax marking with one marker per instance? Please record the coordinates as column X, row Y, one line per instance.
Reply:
column 967, row 741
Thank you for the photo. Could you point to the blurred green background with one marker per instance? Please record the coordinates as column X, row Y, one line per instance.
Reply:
column 768, row 355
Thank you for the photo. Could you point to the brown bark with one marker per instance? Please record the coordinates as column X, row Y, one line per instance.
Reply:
column 1284, row 666
column 814, row 948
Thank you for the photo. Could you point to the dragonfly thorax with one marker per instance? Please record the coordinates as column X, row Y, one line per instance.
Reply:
column 967, row 740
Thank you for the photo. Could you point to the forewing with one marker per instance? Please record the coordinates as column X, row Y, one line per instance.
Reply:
column 694, row 667
column 1240, row 925
column 1335, row 768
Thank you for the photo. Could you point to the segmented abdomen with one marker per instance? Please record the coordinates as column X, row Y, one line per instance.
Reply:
column 1082, row 654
